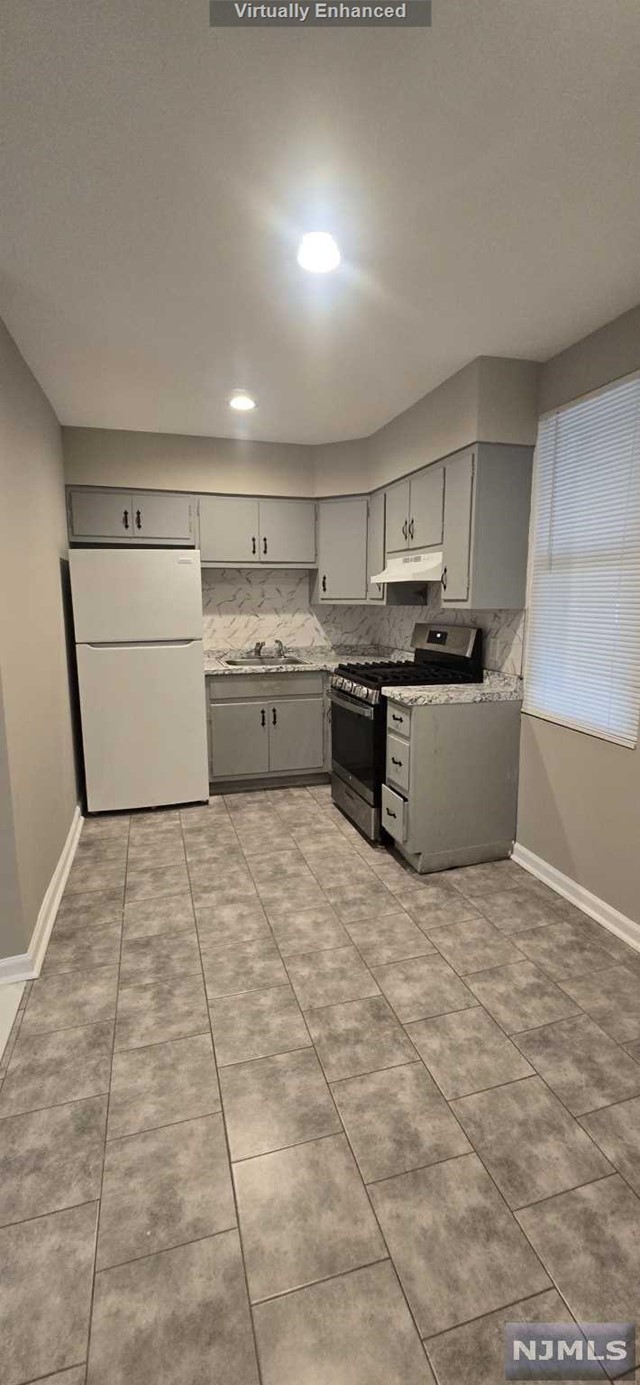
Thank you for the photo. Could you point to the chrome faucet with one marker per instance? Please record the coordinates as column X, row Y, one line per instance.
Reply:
column 280, row 650
column 258, row 648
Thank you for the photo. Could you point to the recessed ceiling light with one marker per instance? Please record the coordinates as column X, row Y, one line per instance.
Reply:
column 242, row 402
column 318, row 252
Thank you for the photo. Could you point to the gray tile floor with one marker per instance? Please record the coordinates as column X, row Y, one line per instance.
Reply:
column 280, row 1111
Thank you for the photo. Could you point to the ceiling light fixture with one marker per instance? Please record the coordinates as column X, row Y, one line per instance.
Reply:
column 318, row 252
column 242, row 402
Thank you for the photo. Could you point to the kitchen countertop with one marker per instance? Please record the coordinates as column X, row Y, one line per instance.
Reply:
column 495, row 687
column 323, row 660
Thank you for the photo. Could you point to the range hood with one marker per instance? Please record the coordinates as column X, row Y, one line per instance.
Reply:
column 413, row 567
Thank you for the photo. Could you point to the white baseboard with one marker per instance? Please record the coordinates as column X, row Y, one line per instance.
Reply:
column 596, row 908
column 27, row 965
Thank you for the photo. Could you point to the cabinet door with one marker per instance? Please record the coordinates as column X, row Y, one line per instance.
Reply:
column 295, row 734
column 375, row 546
column 426, row 507
column 397, row 522
column 95, row 514
column 288, row 531
column 342, row 550
column 239, row 738
column 229, row 529
column 458, row 501
column 165, row 518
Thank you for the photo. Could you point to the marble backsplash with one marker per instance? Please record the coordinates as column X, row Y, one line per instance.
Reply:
column 242, row 605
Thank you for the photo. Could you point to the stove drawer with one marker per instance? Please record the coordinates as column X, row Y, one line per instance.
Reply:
column 395, row 813
column 398, row 719
column 398, row 762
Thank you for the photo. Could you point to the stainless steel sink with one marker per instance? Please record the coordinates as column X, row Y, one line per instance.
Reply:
column 260, row 661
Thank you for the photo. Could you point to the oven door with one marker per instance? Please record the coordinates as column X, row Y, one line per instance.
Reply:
column 355, row 745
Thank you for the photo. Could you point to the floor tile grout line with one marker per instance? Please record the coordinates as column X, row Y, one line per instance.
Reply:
column 166, row 1125
column 106, row 1126
column 229, row 1161
column 324, row 1279
column 165, row 1250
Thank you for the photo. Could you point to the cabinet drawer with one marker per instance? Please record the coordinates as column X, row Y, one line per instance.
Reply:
column 223, row 687
column 398, row 762
column 394, row 814
column 398, row 719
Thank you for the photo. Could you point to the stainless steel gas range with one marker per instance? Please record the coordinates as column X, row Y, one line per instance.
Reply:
column 443, row 654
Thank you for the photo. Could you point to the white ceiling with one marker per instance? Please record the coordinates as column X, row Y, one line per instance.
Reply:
column 481, row 177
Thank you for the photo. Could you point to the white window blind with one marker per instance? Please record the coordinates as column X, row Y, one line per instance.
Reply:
column 583, row 638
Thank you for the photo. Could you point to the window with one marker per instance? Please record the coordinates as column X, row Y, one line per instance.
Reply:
column 583, row 640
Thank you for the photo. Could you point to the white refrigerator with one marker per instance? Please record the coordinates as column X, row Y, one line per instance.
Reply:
column 138, row 632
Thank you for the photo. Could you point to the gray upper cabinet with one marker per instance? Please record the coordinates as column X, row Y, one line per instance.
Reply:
column 163, row 518
column 342, row 550
column 229, row 529
column 241, row 531
column 486, row 527
column 426, row 508
column 288, row 532
column 398, row 502
column 458, row 498
column 121, row 517
column 375, row 546
column 95, row 514
column 415, row 511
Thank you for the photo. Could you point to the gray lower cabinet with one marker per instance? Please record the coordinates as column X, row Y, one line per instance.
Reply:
column 438, row 813
column 239, row 739
column 342, row 549
column 229, row 529
column 96, row 515
column 265, row 726
column 295, row 734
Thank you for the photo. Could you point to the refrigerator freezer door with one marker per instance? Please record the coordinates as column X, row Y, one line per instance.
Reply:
column 142, row 594
column 143, row 724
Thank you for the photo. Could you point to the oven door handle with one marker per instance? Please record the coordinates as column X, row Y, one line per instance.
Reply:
column 361, row 709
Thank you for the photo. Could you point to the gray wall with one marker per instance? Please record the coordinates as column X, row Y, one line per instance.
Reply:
column 490, row 400
column 168, row 461
column 579, row 800
column 36, row 746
